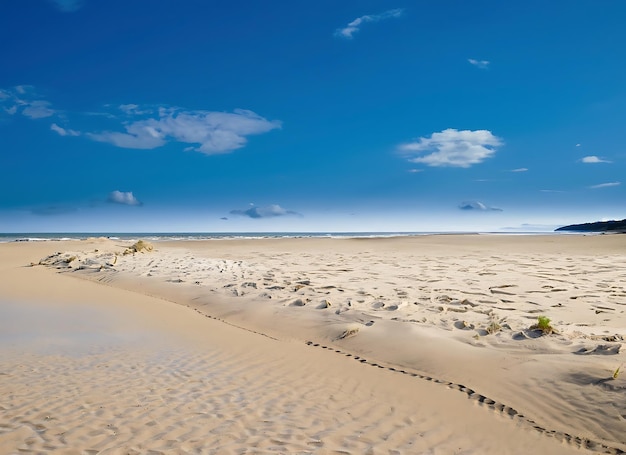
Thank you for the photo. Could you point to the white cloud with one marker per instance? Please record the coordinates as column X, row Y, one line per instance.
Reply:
column 453, row 148
column 521, row 169
column 138, row 136
column 482, row 64
column 67, row 6
column 147, row 128
column 124, row 198
column 269, row 211
column 213, row 132
column 128, row 108
column 355, row 25
column 477, row 206
column 593, row 159
column 24, row 100
column 62, row 131
column 38, row 109
column 133, row 109
column 605, row 185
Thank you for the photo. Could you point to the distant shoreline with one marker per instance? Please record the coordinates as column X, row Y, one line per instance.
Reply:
column 612, row 226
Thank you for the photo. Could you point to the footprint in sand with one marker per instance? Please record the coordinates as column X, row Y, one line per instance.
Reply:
column 603, row 349
column 324, row 304
column 500, row 291
column 464, row 325
column 348, row 333
column 298, row 302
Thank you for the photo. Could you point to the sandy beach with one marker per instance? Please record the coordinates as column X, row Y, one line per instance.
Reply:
column 402, row 345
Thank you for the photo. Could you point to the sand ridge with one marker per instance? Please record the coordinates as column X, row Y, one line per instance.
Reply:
column 585, row 296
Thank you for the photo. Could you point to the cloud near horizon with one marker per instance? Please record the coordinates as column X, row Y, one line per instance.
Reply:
column 477, row 206
column 214, row 132
column 453, row 148
column 123, row 198
column 354, row 26
column 593, row 159
column 270, row 211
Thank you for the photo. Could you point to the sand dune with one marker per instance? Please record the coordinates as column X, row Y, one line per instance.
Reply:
column 401, row 345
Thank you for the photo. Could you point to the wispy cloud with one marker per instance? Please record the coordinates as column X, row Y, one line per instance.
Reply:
column 354, row 26
column 68, row 6
column 38, row 109
column 213, row 132
column 208, row 132
column 521, row 169
column 593, row 159
column 123, row 197
column 134, row 109
column 477, row 206
column 482, row 64
column 22, row 99
column 269, row 211
column 62, row 131
column 128, row 108
column 453, row 148
column 605, row 185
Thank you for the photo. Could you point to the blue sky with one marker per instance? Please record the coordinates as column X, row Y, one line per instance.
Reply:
column 295, row 115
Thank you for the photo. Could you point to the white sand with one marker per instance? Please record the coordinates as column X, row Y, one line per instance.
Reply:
column 398, row 357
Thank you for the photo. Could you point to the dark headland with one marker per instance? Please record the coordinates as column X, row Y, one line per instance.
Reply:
column 598, row 226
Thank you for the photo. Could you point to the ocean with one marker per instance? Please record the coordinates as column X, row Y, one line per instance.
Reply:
column 165, row 236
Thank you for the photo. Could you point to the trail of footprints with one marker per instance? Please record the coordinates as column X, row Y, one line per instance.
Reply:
column 229, row 323
column 496, row 406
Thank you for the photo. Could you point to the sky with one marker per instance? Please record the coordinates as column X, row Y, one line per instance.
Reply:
column 299, row 115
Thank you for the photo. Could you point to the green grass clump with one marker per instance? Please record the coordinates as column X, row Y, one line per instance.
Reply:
column 543, row 324
column 617, row 371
